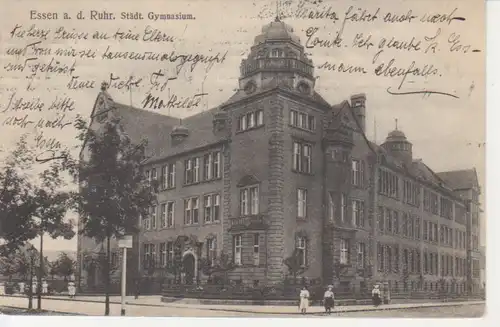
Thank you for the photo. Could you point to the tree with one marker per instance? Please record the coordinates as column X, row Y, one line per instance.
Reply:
column 17, row 203
column 9, row 266
column 294, row 265
column 65, row 266
column 114, row 192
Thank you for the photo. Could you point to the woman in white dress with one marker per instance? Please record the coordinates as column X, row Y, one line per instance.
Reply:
column 71, row 289
column 304, row 300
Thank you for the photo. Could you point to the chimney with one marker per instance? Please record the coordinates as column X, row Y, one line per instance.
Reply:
column 358, row 105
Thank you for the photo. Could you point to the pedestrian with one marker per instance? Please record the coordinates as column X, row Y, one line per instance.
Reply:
column 328, row 299
column 304, row 300
column 71, row 289
column 45, row 287
column 376, row 295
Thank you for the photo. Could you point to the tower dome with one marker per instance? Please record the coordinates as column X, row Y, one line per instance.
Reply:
column 398, row 145
column 277, row 31
column 277, row 59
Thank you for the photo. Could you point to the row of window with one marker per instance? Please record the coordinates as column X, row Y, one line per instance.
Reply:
column 211, row 212
column 390, row 222
column 250, row 120
column 446, row 236
column 211, row 170
column 388, row 260
column 238, row 246
column 338, row 209
column 388, row 185
column 167, row 253
column 302, row 120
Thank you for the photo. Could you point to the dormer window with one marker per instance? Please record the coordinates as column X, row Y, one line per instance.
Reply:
column 304, row 88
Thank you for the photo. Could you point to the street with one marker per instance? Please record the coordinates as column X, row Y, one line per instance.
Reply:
column 166, row 310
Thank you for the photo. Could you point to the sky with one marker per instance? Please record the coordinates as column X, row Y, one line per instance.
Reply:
column 447, row 132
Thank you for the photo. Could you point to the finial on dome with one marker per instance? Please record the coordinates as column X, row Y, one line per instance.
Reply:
column 396, row 120
column 104, row 86
column 277, row 19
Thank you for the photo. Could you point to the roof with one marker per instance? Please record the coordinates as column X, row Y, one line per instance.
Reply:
column 142, row 124
column 241, row 94
column 155, row 128
column 460, row 179
column 275, row 31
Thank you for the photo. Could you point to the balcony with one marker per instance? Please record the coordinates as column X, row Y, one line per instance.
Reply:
column 275, row 64
column 254, row 222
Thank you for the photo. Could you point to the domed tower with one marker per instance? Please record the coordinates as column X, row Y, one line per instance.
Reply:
column 277, row 59
column 397, row 145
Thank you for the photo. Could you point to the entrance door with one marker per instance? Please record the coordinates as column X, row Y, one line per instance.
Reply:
column 188, row 263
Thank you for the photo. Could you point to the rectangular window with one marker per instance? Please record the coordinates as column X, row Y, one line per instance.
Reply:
column 163, row 254
column 388, row 184
column 344, row 251
column 207, row 166
column 168, row 176
column 170, row 253
column 256, row 252
column 388, row 220
column 302, row 120
column 431, row 202
column 237, row 249
column 389, row 256
column 358, row 213
column 192, row 171
column 380, row 219
column 251, row 120
column 361, row 255
column 410, row 226
column 191, row 211
column 302, row 250
column 396, row 258
column 417, row 228
column 343, row 207
column 301, row 203
column 216, row 166
column 358, row 173
column 404, row 225
column 331, row 206
column 301, row 157
column 249, row 201
column 380, row 257
column 211, row 250
column 154, row 217
column 411, row 193
column 211, row 204
column 446, row 208
column 170, row 213
column 395, row 222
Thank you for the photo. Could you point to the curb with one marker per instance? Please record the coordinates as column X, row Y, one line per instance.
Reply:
column 62, row 313
column 371, row 308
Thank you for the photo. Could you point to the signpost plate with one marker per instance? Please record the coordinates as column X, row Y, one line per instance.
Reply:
column 125, row 242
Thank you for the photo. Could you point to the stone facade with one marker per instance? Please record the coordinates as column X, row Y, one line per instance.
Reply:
column 276, row 139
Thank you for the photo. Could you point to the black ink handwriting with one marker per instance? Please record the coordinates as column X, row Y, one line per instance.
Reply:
column 424, row 92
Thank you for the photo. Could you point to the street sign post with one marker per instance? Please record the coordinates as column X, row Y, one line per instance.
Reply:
column 124, row 243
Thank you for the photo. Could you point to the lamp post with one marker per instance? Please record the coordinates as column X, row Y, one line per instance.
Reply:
column 31, row 252
column 124, row 243
column 40, row 274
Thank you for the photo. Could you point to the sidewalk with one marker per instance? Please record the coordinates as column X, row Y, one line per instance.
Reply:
column 154, row 301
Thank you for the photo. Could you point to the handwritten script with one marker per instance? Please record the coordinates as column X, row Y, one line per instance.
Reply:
column 53, row 62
